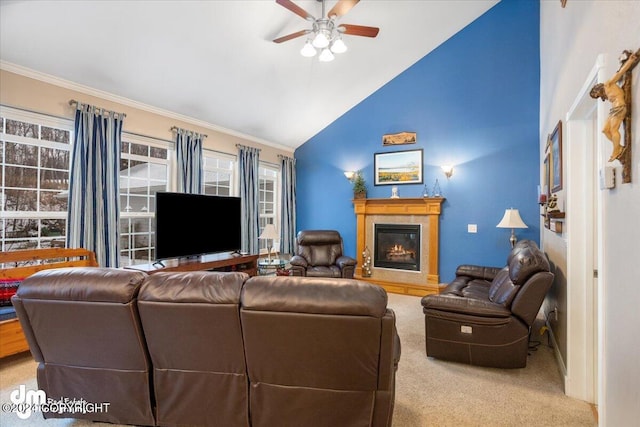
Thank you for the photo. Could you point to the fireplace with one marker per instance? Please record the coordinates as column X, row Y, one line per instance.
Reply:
column 397, row 246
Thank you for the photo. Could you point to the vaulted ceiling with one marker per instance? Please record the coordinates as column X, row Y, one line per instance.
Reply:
column 215, row 61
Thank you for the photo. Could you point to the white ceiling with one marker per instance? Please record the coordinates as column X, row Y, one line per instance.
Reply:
column 214, row 61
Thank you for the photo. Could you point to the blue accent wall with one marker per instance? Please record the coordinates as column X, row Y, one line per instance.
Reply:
column 474, row 103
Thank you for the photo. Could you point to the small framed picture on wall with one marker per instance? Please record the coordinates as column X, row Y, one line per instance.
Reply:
column 555, row 147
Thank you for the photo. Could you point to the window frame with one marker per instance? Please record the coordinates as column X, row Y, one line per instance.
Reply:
column 275, row 216
column 130, row 216
column 233, row 173
column 40, row 120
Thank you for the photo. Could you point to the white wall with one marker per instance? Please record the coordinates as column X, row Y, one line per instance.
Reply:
column 571, row 39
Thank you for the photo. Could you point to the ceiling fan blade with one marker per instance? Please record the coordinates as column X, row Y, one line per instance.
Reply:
column 342, row 7
column 296, row 9
column 291, row 36
column 358, row 30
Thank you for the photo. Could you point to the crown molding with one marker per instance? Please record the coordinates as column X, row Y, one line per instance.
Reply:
column 67, row 84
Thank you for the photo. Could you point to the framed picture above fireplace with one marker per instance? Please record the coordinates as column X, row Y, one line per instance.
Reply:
column 398, row 167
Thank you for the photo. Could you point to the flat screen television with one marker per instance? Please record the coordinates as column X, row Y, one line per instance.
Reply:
column 193, row 224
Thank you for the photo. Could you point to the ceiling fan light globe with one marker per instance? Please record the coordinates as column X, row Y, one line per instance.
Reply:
column 338, row 46
column 325, row 56
column 308, row 50
column 320, row 40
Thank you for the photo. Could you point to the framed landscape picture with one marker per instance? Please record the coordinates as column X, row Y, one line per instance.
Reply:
column 555, row 145
column 398, row 167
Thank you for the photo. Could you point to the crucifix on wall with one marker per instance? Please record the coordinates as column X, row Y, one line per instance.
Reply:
column 620, row 112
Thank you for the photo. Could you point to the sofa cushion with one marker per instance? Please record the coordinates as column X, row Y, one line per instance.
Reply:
column 91, row 284
column 526, row 262
column 502, row 290
column 520, row 245
column 317, row 296
column 324, row 271
column 193, row 287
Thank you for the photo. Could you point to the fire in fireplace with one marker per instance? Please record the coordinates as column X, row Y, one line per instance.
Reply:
column 397, row 246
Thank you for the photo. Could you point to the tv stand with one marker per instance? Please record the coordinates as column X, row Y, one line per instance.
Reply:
column 214, row 262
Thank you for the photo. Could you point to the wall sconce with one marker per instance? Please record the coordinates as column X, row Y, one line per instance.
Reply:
column 448, row 170
column 350, row 175
column 512, row 220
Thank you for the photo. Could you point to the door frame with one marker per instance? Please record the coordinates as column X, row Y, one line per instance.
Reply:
column 585, row 241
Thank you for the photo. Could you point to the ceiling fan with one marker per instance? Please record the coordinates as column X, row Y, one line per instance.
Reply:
column 325, row 33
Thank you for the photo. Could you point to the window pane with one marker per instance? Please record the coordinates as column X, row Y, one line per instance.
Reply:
column 139, row 149
column 52, row 227
column 158, row 153
column 54, row 201
column 21, row 154
column 20, row 228
column 55, row 135
column 141, row 255
column 54, row 159
column 124, row 243
column 54, row 179
column 16, row 245
column 15, row 127
column 21, row 177
column 138, row 203
column 21, row 200
column 136, row 186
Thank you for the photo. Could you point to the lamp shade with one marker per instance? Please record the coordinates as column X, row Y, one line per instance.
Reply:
column 511, row 219
column 269, row 232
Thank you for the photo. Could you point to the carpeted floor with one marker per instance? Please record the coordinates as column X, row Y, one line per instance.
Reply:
column 429, row 392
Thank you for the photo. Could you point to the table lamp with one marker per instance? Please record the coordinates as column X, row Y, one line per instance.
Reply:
column 270, row 234
column 512, row 220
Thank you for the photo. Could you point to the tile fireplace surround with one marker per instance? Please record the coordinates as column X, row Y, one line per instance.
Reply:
column 424, row 211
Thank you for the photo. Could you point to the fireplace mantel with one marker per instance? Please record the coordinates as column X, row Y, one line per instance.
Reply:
column 424, row 210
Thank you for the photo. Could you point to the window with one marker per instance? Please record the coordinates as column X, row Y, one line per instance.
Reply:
column 217, row 173
column 144, row 170
column 34, row 179
column 269, row 201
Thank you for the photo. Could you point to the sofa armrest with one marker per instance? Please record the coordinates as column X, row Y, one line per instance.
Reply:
column 478, row 271
column 467, row 306
column 298, row 261
column 344, row 261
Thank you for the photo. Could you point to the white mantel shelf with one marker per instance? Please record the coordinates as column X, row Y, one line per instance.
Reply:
column 418, row 206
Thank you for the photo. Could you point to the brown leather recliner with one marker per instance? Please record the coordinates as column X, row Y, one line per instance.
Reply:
column 484, row 316
column 319, row 253
column 320, row 352
column 83, row 330
column 191, row 322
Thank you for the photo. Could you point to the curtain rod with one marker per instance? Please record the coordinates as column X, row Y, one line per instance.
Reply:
column 177, row 128
column 73, row 101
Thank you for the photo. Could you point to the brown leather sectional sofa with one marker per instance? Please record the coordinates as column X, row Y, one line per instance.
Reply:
column 484, row 316
column 212, row 349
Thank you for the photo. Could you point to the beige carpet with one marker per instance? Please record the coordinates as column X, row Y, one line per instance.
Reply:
column 429, row 392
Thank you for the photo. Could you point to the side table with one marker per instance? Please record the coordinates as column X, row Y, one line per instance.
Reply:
column 267, row 267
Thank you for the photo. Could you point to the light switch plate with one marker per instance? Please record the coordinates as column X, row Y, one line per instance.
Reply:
column 472, row 228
